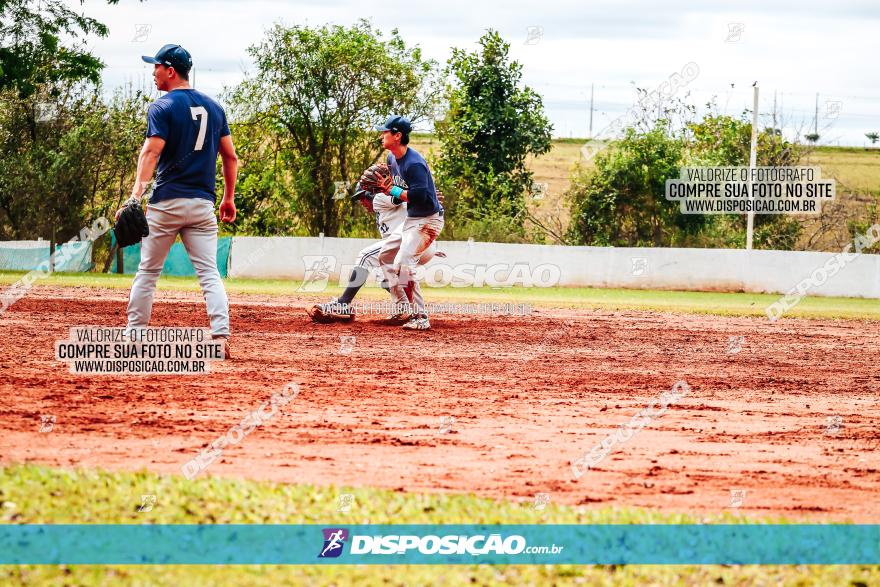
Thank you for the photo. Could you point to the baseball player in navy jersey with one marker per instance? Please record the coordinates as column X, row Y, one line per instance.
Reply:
column 390, row 217
column 424, row 220
column 185, row 131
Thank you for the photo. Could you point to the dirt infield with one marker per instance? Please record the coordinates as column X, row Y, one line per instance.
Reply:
column 528, row 395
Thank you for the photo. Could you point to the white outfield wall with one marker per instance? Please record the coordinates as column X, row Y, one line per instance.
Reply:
column 638, row 268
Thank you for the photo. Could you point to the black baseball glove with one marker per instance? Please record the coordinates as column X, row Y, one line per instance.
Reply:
column 377, row 179
column 131, row 226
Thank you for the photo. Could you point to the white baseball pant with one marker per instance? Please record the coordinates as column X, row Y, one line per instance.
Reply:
column 369, row 255
column 194, row 220
column 401, row 254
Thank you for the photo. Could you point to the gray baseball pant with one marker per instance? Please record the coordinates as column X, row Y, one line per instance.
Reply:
column 400, row 255
column 194, row 220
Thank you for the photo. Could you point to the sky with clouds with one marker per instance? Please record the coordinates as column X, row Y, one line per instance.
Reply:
column 792, row 49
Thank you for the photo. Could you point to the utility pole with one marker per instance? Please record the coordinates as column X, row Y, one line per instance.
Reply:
column 782, row 110
column 774, row 111
column 52, row 251
column 816, row 120
column 590, row 134
column 753, row 161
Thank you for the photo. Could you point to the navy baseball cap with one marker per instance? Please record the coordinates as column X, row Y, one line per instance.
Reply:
column 397, row 124
column 172, row 56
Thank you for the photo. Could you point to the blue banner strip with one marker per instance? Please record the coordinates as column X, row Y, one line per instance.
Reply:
column 52, row 544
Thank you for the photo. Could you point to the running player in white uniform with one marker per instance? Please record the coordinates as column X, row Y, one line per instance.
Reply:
column 390, row 218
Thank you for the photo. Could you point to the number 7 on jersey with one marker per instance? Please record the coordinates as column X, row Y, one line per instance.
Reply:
column 203, row 125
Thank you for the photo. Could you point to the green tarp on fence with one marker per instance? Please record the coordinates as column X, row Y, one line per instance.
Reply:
column 177, row 262
column 30, row 255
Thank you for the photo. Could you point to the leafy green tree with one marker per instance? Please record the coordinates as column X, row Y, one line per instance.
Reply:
column 31, row 49
column 491, row 125
column 309, row 111
column 873, row 137
column 265, row 192
column 66, row 164
column 726, row 140
column 859, row 228
column 67, row 155
column 621, row 201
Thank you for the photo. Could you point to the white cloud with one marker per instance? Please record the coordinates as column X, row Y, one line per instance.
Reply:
column 795, row 48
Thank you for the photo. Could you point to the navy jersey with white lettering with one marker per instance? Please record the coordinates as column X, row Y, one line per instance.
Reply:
column 413, row 170
column 192, row 124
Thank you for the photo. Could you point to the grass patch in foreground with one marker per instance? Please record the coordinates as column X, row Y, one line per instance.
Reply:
column 723, row 304
column 34, row 494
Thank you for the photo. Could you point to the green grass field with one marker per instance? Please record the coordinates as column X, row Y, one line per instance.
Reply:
column 32, row 494
column 856, row 168
column 722, row 304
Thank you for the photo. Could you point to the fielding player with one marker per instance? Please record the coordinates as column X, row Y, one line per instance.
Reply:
column 185, row 131
column 424, row 219
column 390, row 217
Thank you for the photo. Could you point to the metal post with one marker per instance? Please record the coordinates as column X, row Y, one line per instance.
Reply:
column 753, row 162
column 52, row 251
column 120, row 266
column 590, row 134
column 774, row 112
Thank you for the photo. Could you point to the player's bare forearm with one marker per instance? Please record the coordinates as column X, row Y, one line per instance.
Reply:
column 147, row 162
column 230, row 174
column 230, row 167
column 146, row 167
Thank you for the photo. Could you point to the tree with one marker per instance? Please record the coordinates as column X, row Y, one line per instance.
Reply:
column 66, row 155
column 725, row 140
column 621, row 202
column 265, row 196
column 31, row 49
column 490, row 126
column 873, row 137
column 311, row 105
column 60, row 172
column 812, row 137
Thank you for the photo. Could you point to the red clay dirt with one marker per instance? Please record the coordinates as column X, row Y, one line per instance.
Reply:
column 529, row 395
